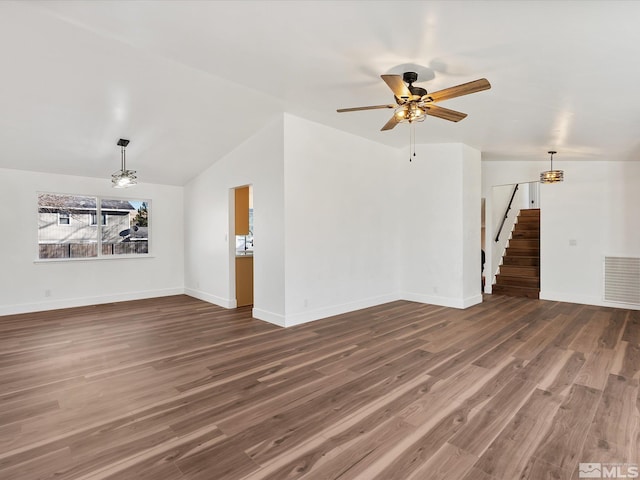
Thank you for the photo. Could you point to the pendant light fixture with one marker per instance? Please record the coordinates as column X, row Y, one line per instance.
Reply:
column 123, row 178
column 552, row 176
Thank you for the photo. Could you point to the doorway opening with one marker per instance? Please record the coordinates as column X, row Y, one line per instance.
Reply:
column 243, row 252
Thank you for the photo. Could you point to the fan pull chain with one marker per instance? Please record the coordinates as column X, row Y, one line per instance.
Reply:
column 412, row 140
column 413, row 127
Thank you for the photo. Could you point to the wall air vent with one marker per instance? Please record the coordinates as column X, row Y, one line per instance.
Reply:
column 622, row 280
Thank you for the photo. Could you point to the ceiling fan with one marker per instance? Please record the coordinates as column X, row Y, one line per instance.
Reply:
column 413, row 103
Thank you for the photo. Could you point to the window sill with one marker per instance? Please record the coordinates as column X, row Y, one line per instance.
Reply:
column 92, row 259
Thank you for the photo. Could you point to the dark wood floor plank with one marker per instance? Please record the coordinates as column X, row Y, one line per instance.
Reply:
column 560, row 381
column 508, row 454
column 486, row 424
column 563, row 443
column 630, row 362
column 597, row 367
column 632, row 328
column 511, row 344
column 540, row 340
column 617, row 420
column 613, row 331
column 178, row 389
column 448, row 463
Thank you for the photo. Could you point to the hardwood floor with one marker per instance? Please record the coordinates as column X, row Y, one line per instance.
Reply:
column 175, row 388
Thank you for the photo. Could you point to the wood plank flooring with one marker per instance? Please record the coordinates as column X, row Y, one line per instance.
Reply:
column 175, row 389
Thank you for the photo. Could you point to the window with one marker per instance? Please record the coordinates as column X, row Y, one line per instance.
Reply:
column 94, row 218
column 244, row 243
column 68, row 226
column 128, row 230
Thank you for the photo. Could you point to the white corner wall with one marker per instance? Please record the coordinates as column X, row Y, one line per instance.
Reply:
column 471, row 227
column 440, row 211
column 341, row 223
column 342, row 226
column 210, row 242
column 596, row 206
column 23, row 281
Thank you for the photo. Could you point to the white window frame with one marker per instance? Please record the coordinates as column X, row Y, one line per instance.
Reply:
column 100, row 256
column 102, row 215
column 64, row 215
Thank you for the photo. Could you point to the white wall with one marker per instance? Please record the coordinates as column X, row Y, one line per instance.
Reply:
column 360, row 226
column 209, row 234
column 440, row 211
column 596, row 205
column 341, row 223
column 342, row 227
column 471, row 227
column 23, row 281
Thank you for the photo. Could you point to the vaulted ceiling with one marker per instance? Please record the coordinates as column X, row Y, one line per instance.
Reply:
column 187, row 81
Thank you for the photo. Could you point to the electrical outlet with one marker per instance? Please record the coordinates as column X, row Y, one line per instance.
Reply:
column 47, row 293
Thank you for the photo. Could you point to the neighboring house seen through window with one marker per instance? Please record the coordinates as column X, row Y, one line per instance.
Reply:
column 68, row 226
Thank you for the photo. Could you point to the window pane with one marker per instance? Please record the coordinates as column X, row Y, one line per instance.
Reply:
column 244, row 243
column 126, row 230
column 94, row 219
column 64, row 229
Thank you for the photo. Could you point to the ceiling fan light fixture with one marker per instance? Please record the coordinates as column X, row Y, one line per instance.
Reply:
column 410, row 113
column 552, row 176
column 414, row 104
column 123, row 178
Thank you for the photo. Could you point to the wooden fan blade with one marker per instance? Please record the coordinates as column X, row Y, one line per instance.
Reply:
column 457, row 91
column 397, row 86
column 441, row 112
column 356, row 109
column 390, row 124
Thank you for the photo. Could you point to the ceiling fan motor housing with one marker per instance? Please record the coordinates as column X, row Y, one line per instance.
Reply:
column 410, row 77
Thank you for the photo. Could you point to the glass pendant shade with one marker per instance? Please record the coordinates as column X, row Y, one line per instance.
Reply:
column 552, row 176
column 123, row 179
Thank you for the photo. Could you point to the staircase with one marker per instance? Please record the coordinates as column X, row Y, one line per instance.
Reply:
column 520, row 270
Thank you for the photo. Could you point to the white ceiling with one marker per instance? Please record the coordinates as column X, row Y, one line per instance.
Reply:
column 186, row 82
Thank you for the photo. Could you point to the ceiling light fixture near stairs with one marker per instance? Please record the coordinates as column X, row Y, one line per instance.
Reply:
column 123, row 178
column 552, row 176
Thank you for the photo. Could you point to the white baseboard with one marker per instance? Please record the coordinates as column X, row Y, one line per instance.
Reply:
column 207, row 297
column 442, row 301
column 310, row 316
column 86, row 301
column 267, row 316
column 584, row 300
column 471, row 301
